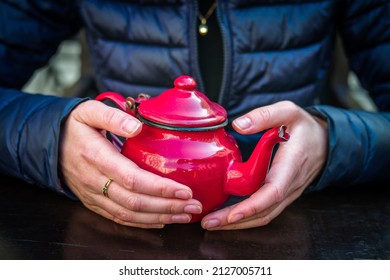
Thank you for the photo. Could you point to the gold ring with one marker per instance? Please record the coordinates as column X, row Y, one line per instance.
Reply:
column 105, row 188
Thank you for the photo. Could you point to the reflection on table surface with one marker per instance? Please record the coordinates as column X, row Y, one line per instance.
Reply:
column 335, row 224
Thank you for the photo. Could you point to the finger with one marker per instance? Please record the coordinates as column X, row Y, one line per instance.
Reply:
column 282, row 179
column 121, row 215
column 266, row 217
column 98, row 115
column 275, row 189
column 151, row 204
column 281, row 113
column 260, row 219
column 127, row 174
column 261, row 201
column 109, row 216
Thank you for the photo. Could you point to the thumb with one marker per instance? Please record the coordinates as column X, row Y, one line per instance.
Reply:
column 266, row 117
column 98, row 115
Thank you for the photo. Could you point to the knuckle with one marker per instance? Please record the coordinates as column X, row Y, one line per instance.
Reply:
column 278, row 193
column 164, row 219
column 291, row 107
column 109, row 116
column 164, row 190
column 116, row 220
column 123, row 216
column 129, row 181
column 160, row 184
column 263, row 221
column 133, row 203
column 253, row 210
column 119, row 221
column 172, row 208
column 262, row 114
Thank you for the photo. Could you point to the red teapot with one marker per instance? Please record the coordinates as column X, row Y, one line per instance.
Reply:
column 183, row 138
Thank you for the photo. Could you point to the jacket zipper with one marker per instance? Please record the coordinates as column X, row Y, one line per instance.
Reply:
column 226, row 63
column 194, row 44
column 226, row 58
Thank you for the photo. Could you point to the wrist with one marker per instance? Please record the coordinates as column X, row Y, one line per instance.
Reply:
column 321, row 119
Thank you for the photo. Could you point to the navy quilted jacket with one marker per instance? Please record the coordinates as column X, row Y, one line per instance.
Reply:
column 273, row 50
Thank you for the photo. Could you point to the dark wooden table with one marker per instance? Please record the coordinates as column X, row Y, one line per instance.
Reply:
column 334, row 224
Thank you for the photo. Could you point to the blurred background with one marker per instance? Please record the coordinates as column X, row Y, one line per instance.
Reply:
column 69, row 74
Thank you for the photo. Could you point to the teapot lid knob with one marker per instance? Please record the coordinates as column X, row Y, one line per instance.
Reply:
column 185, row 82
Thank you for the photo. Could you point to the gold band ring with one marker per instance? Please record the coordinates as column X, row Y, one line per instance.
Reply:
column 105, row 188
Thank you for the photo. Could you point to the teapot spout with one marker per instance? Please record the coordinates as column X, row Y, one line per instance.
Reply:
column 244, row 178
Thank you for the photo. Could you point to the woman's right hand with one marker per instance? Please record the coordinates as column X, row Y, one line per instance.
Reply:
column 136, row 197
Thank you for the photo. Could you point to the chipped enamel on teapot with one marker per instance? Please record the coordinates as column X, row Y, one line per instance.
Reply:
column 183, row 138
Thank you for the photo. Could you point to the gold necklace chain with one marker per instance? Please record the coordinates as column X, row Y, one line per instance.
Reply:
column 203, row 29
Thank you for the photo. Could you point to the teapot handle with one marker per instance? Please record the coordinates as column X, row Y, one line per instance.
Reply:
column 125, row 104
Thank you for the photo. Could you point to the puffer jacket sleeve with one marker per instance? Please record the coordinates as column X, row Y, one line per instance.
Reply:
column 359, row 142
column 359, row 148
column 30, row 135
column 30, row 32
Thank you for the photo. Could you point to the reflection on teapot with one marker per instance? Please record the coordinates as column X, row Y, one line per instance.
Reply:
column 183, row 138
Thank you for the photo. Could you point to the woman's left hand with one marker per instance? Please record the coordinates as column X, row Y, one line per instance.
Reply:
column 296, row 164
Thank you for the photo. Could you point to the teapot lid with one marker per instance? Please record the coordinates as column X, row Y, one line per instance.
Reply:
column 183, row 107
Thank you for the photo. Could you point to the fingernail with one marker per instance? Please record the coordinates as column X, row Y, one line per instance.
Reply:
column 183, row 194
column 211, row 224
column 243, row 123
column 193, row 209
column 181, row 218
column 130, row 126
column 236, row 218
